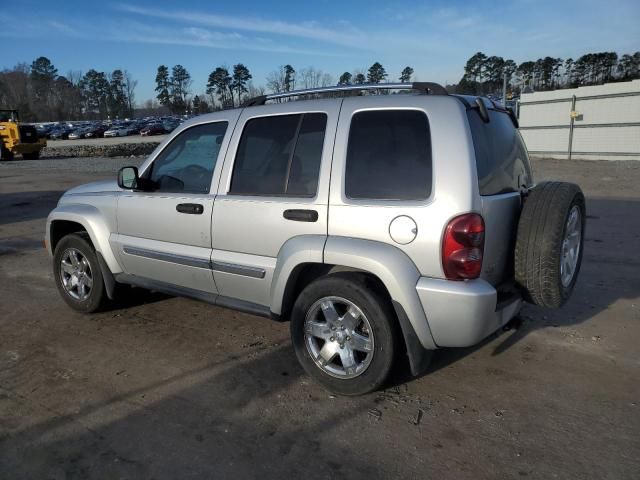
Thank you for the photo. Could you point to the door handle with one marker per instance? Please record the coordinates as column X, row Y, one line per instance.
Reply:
column 190, row 208
column 301, row 215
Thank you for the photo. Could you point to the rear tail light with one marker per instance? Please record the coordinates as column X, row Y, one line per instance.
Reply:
column 462, row 247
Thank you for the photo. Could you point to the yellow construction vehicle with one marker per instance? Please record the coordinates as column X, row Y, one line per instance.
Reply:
column 16, row 138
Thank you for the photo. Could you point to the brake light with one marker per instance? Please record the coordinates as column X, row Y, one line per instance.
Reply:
column 463, row 246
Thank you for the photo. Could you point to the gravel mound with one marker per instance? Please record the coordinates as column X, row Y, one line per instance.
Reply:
column 111, row 150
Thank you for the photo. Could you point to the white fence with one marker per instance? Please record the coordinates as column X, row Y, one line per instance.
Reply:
column 604, row 125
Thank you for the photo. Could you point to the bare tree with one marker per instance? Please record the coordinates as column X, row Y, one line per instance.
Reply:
column 130, row 86
column 253, row 91
column 326, row 80
column 74, row 77
column 311, row 77
column 276, row 80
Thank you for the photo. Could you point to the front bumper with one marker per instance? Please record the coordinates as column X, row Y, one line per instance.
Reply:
column 461, row 314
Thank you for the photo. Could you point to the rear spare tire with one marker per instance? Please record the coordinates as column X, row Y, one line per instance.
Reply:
column 549, row 243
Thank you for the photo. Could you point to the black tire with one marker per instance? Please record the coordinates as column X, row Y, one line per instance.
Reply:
column 97, row 296
column 31, row 156
column 380, row 314
column 541, row 231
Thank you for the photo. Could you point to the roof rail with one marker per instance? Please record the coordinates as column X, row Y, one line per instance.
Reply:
column 425, row 87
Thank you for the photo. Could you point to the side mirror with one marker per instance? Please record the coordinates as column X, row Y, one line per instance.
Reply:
column 128, row 178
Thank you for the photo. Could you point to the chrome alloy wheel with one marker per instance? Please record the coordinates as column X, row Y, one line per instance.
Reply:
column 339, row 337
column 571, row 246
column 75, row 274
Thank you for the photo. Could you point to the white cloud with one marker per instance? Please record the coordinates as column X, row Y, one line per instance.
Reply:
column 310, row 29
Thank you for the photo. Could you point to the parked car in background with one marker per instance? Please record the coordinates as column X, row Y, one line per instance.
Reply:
column 60, row 133
column 95, row 131
column 78, row 133
column 117, row 131
column 134, row 128
column 44, row 130
column 153, row 129
column 171, row 124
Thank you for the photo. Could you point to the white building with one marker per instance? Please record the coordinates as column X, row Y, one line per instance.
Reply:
column 606, row 122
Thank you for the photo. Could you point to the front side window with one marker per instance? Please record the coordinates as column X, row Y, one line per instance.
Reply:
column 186, row 165
column 389, row 156
column 280, row 155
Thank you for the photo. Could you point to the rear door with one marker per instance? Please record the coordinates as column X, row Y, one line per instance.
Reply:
column 381, row 181
column 274, row 186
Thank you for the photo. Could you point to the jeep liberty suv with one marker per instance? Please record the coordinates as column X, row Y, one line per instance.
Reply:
column 378, row 225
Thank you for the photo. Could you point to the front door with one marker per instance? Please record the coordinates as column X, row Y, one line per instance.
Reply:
column 164, row 229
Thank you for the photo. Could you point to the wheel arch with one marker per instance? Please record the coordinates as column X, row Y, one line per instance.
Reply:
column 72, row 218
column 302, row 260
column 62, row 228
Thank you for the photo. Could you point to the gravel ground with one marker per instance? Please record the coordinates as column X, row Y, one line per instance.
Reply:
column 79, row 165
column 101, row 147
column 105, row 141
column 163, row 387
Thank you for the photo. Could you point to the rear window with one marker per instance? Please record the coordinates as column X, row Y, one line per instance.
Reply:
column 389, row 156
column 502, row 161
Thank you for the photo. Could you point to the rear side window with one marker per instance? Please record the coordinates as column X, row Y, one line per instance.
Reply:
column 502, row 161
column 389, row 156
column 280, row 155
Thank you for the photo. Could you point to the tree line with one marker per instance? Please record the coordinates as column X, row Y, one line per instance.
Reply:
column 40, row 93
column 229, row 87
column 485, row 74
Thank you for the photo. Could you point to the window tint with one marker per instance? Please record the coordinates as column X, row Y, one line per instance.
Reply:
column 389, row 156
column 279, row 155
column 502, row 161
column 187, row 163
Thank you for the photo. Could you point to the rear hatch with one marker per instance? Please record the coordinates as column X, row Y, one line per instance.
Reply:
column 504, row 172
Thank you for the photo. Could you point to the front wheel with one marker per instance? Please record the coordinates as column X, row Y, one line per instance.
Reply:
column 344, row 334
column 77, row 274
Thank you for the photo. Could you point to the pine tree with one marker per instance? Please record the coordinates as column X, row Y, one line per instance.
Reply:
column 376, row 73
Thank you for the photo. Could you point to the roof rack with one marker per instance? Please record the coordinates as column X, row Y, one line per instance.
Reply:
column 425, row 87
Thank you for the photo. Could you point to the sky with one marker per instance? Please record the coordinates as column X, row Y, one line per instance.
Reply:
column 434, row 37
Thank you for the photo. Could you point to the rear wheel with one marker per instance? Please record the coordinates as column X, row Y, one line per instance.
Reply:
column 77, row 274
column 549, row 244
column 344, row 334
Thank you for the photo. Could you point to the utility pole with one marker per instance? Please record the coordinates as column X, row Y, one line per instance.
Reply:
column 504, row 89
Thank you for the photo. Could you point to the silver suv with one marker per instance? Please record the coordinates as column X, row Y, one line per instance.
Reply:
column 378, row 224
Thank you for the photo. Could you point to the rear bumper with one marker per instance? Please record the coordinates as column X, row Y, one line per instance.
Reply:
column 461, row 314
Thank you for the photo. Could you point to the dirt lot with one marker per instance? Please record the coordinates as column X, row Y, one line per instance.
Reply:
column 171, row 388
